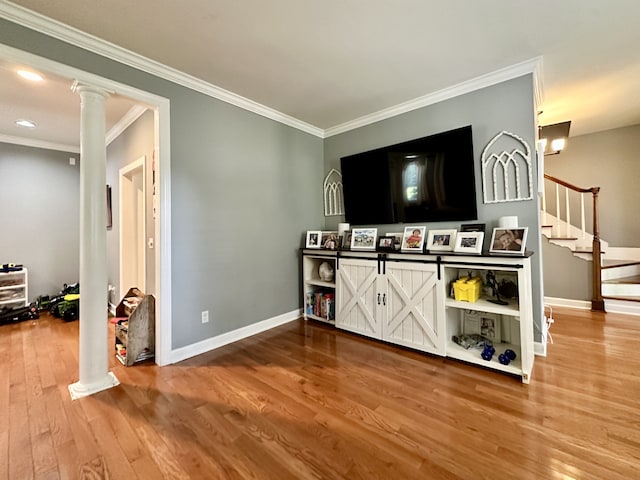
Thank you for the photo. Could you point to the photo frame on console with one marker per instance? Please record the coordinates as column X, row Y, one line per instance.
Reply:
column 413, row 239
column 508, row 240
column 385, row 243
column 363, row 238
column 441, row 240
column 314, row 239
column 329, row 241
column 469, row 242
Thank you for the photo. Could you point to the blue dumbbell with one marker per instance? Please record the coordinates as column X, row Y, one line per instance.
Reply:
column 487, row 353
column 511, row 355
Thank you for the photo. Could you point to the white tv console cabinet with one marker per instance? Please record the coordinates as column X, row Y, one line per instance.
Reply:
column 407, row 299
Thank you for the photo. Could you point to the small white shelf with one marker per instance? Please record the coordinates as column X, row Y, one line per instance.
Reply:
column 484, row 305
column 320, row 319
column 320, row 283
column 14, row 281
column 472, row 355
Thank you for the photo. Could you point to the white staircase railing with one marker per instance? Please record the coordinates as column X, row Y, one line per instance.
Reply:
column 571, row 191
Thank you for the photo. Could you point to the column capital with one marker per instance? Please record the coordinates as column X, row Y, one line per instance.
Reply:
column 81, row 88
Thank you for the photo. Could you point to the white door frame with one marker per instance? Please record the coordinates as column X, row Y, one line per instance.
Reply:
column 162, row 147
column 124, row 173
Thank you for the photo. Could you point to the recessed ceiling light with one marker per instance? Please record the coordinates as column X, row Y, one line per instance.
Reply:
column 33, row 76
column 25, row 123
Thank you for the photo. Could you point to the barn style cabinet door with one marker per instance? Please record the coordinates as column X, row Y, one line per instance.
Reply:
column 357, row 297
column 414, row 300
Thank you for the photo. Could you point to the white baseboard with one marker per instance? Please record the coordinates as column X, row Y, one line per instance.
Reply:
column 612, row 306
column 212, row 343
column 540, row 349
column 567, row 302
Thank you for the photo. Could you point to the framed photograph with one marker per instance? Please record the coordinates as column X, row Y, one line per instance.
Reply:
column 413, row 239
column 482, row 323
column 397, row 239
column 329, row 240
column 385, row 244
column 441, row 240
column 473, row 227
column 469, row 242
column 314, row 237
column 363, row 238
column 508, row 240
column 346, row 239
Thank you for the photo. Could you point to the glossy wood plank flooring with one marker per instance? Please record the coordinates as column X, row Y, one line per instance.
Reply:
column 305, row 401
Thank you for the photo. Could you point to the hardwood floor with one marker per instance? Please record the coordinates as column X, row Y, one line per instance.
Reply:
column 307, row 401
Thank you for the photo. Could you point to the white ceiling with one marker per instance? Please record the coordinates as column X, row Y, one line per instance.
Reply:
column 327, row 63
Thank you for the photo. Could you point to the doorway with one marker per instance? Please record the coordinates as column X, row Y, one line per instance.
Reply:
column 133, row 232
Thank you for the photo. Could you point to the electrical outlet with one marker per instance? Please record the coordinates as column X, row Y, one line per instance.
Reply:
column 205, row 316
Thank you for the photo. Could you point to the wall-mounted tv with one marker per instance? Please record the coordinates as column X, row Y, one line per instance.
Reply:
column 430, row 179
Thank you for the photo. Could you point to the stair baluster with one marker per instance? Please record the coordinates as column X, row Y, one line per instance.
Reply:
column 597, row 302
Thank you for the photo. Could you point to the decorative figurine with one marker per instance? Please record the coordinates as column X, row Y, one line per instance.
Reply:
column 493, row 283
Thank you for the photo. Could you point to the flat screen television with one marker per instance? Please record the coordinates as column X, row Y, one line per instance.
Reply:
column 430, row 179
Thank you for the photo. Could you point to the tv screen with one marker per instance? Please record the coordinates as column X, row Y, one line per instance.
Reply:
column 430, row 179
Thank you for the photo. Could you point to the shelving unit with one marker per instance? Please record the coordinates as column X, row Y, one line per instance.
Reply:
column 14, row 288
column 319, row 294
column 515, row 318
column 135, row 330
column 406, row 299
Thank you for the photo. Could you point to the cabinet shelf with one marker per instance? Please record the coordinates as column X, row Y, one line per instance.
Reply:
column 318, row 294
column 484, row 305
column 473, row 356
column 320, row 319
column 320, row 283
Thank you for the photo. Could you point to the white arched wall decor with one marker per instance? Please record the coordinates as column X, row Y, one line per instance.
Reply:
column 507, row 174
column 333, row 194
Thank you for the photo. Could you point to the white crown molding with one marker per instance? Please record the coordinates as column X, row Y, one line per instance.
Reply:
column 73, row 36
column 29, row 142
column 483, row 81
column 127, row 119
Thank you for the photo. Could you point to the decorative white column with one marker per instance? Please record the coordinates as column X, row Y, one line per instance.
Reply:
column 93, row 358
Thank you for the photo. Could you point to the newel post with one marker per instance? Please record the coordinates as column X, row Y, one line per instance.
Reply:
column 597, row 302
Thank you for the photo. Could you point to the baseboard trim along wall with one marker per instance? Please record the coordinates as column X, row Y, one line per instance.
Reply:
column 212, row 343
column 612, row 306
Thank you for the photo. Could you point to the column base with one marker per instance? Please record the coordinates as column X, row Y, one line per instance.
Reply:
column 79, row 390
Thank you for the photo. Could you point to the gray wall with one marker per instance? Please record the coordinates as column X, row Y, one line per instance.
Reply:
column 39, row 214
column 136, row 141
column 243, row 187
column 506, row 106
column 609, row 160
column 565, row 275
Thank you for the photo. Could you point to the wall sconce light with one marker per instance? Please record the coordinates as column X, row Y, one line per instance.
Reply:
column 553, row 138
